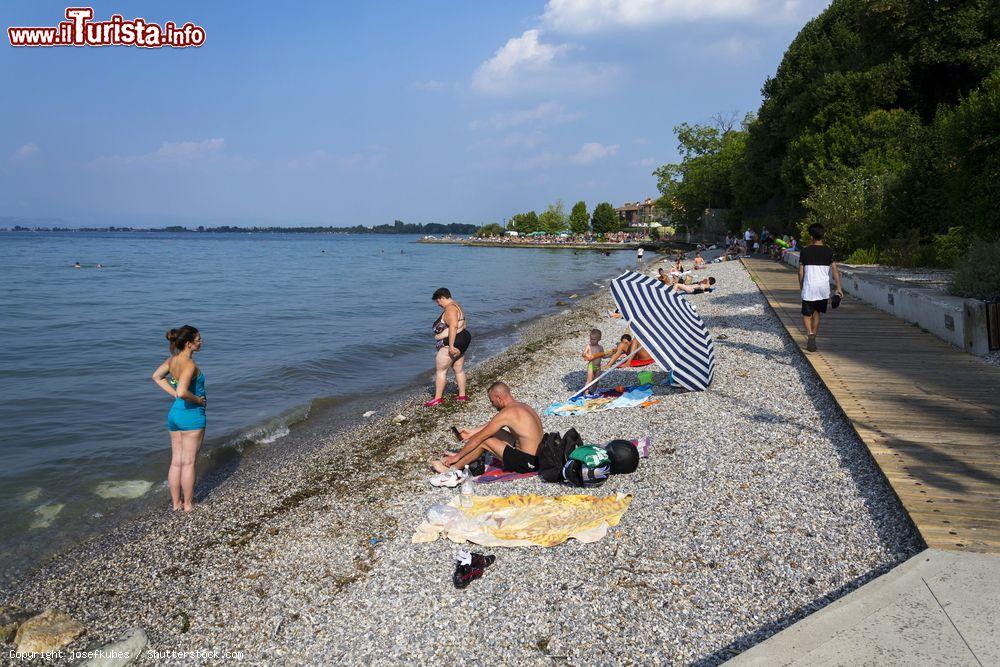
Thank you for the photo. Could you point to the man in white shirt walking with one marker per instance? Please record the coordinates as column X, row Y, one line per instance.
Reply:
column 815, row 267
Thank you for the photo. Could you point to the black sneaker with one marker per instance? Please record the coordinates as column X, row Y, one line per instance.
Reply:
column 466, row 574
column 811, row 343
column 482, row 560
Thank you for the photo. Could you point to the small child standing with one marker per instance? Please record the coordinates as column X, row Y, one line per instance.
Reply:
column 593, row 352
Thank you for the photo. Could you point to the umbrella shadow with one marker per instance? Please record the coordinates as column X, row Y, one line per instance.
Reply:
column 574, row 381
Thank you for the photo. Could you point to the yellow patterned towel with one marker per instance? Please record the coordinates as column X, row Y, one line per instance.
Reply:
column 531, row 520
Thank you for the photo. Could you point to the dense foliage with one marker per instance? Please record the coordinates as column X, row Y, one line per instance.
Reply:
column 882, row 122
column 489, row 230
column 525, row 223
column 702, row 178
column 605, row 220
column 978, row 276
column 579, row 218
column 553, row 220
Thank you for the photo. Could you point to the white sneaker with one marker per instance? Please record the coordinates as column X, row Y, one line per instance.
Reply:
column 449, row 479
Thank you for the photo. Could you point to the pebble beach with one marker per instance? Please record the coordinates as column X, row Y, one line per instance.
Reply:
column 757, row 505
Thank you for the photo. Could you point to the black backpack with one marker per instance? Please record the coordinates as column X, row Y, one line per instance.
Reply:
column 554, row 452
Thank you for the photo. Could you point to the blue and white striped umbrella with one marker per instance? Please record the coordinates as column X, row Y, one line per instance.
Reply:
column 668, row 327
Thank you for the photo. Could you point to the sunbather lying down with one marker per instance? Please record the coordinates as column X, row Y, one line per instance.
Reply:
column 704, row 285
column 627, row 346
column 513, row 436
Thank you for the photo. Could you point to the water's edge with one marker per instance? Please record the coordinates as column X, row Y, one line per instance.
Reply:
column 258, row 446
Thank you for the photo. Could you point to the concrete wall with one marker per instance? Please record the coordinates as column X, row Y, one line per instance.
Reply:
column 961, row 322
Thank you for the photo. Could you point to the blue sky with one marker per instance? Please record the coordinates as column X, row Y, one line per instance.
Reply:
column 362, row 113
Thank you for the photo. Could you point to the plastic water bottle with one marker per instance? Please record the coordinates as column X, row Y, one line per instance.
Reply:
column 467, row 491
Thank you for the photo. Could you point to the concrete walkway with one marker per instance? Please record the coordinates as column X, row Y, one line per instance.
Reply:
column 938, row 608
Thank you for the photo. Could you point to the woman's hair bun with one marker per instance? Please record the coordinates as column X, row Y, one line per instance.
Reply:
column 172, row 335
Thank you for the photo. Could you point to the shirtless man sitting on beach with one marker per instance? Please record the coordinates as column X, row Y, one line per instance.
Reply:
column 513, row 436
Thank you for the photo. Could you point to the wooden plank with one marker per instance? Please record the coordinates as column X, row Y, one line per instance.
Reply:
column 925, row 410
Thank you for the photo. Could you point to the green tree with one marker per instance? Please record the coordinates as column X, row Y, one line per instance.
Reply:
column 489, row 230
column 851, row 208
column 553, row 219
column 704, row 177
column 605, row 219
column 525, row 223
column 579, row 219
column 866, row 85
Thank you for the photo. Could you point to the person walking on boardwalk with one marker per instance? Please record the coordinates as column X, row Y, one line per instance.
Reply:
column 453, row 340
column 186, row 418
column 815, row 268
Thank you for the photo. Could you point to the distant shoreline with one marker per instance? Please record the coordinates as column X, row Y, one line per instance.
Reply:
column 649, row 244
column 386, row 230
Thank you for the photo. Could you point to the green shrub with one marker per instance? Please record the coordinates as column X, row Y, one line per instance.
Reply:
column 950, row 247
column 850, row 207
column 978, row 274
column 864, row 256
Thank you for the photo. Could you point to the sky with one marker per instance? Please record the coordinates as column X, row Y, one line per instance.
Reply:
column 344, row 113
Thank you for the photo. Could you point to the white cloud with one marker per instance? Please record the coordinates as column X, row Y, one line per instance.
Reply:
column 177, row 155
column 510, row 140
column 527, row 64
column 366, row 160
column 429, row 86
column 592, row 152
column 25, row 153
column 361, row 161
column 310, row 161
column 546, row 113
column 644, row 162
column 590, row 16
column 588, row 154
column 736, row 47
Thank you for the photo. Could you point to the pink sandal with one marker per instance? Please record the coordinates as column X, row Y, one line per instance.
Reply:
column 436, row 402
column 463, row 397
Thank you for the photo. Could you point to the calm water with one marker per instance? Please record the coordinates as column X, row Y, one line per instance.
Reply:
column 286, row 319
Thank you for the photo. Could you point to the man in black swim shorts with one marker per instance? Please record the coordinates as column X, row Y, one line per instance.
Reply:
column 513, row 436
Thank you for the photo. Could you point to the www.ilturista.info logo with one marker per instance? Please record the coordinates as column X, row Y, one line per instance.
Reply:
column 80, row 30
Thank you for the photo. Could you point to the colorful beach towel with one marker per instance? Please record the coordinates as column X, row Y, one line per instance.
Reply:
column 524, row 521
column 609, row 399
column 495, row 473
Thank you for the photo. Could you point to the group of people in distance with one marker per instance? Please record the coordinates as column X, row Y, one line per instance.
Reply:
column 682, row 281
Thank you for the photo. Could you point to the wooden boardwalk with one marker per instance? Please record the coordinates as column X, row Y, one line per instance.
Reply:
column 928, row 412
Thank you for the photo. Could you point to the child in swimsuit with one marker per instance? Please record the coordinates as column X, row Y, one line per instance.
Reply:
column 593, row 353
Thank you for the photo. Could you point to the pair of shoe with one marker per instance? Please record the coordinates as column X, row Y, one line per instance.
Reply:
column 811, row 342
column 449, row 479
column 470, row 566
column 438, row 401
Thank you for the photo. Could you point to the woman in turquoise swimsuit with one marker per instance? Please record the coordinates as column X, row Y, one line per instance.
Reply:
column 186, row 419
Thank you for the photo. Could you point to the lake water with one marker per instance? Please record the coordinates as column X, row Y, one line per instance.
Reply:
column 286, row 319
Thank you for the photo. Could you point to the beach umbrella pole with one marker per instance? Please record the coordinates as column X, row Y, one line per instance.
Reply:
column 613, row 368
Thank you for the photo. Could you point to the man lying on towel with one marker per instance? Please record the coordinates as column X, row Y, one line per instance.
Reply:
column 626, row 347
column 513, row 436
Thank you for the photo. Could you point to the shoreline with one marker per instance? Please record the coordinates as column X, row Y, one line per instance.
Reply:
column 295, row 428
column 749, row 507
